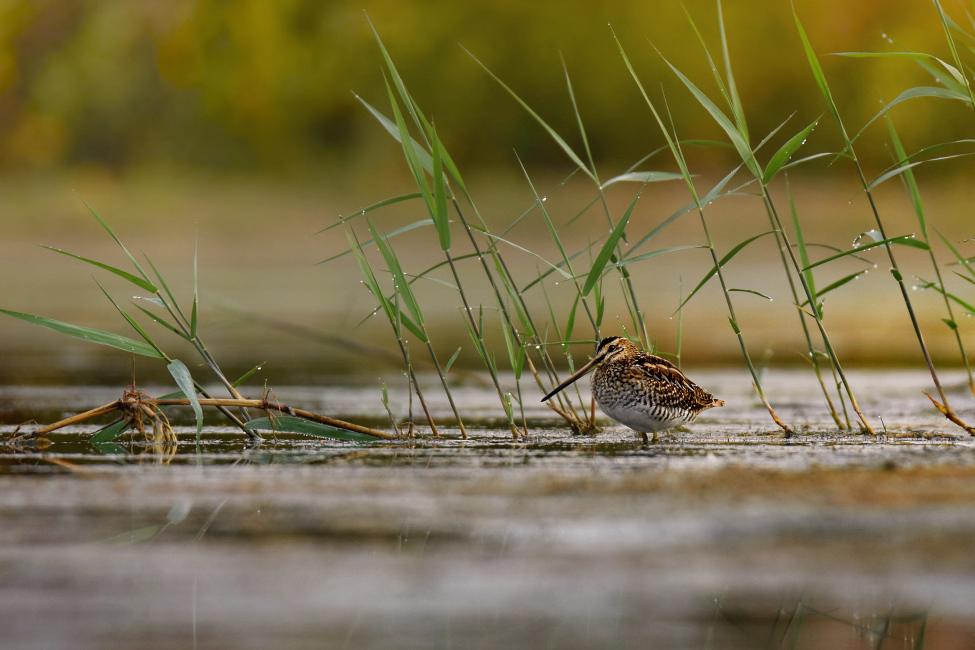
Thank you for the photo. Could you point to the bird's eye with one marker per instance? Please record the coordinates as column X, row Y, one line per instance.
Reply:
column 612, row 347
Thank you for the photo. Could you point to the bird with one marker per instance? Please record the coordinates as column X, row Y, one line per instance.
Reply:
column 645, row 392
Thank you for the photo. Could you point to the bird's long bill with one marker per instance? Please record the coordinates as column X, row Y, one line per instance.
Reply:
column 581, row 372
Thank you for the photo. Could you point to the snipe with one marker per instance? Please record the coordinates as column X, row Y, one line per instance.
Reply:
column 645, row 392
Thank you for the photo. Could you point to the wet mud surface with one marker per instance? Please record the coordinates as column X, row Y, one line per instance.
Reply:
column 722, row 536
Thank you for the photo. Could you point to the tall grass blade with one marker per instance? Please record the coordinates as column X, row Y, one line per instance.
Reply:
column 87, row 334
column 952, row 70
column 724, row 260
column 599, row 264
column 137, row 281
column 439, row 194
column 785, row 152
column 734, row 135
column 905, row 240
column 375, row 206
column 117, row 240
column 642, row 177
column 914, row 93
column 194, row 316
column 552, row 133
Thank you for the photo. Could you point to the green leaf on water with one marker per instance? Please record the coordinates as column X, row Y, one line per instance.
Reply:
column 86, row 334
column 184, row 380
column 137, row 281
column 110, row 432
column 290, row 424
column 110, row 448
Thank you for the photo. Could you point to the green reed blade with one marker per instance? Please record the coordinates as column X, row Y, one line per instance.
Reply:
column 599, row 265
column 554, row 267
column 410, row 151
column 730, row 129
column 724, row 260
column 905, row 240
column 753, row 292
column 914, row 93
column 558, row 267
column 137, row 281
column 552, row 133
column 644, row 256
column 132, row 321
column 771, row 134
column 87, row 334
column 247, row 375
column 184, row 380
column 898, row 170
column 819, row 76
column 952, row 70
column 117, row 240
column 389, row 235
column 835, row 285
column 736, row 106
column 801, row 243
column 708, row 198
column 951, row 296
column 642, row 177
column 570, row 324
column 165, row 287
column 785, row 152
column 290, row 424
column 175, row 330
column 450, row 361
column 954, row 251
column 399, row 278
column 582, row 129
column 369, row 208
column 964, row 277
column 397, row 80
column 194, row 313
column 439, row 193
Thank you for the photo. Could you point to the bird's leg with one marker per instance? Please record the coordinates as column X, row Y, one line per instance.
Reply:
column 646, row 440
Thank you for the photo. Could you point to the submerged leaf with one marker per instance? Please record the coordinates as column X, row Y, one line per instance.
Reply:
column 292, row 424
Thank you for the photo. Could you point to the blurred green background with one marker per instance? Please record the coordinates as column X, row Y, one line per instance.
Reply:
column 237, row 122
column 256, row 84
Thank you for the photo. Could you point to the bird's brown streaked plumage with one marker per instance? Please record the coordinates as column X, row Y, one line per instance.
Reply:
column 645, row 392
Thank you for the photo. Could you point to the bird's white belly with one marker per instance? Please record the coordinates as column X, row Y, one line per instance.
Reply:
column 641, row 419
